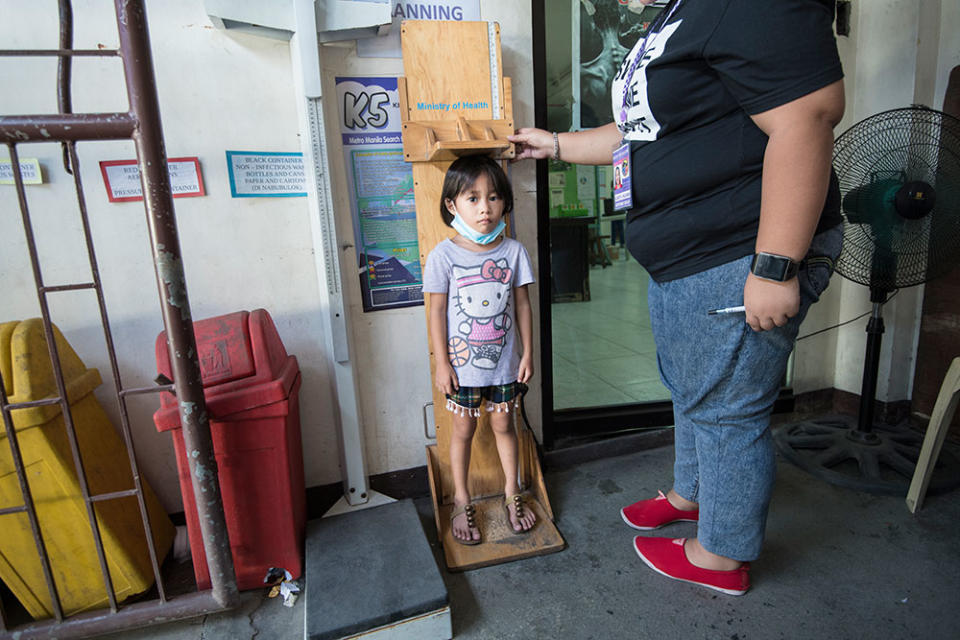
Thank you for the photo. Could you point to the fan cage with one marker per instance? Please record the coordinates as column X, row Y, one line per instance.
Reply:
column 882, row 249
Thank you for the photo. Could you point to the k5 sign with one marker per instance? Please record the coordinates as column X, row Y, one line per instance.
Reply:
column 369, row 110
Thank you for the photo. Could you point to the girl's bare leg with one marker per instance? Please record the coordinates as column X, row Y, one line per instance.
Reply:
column 460, row 441
column 506, row 437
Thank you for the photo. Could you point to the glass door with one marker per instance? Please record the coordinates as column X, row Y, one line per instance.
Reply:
column 603, row 359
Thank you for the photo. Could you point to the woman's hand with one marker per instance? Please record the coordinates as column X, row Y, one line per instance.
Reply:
column 446, row 379
column 532, row 143
column 770, row 304
column 590, row 146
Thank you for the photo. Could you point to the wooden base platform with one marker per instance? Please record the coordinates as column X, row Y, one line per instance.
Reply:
column 500, row 543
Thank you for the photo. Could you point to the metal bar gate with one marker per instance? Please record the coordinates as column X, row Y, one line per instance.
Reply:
column 142, row 125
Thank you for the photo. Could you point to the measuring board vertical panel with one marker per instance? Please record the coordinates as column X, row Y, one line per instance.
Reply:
column 508, row 102
column 446, row 64
column 427, row 185
column 402, row 97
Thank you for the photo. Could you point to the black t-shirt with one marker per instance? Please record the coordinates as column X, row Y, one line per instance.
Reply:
column 696, row 154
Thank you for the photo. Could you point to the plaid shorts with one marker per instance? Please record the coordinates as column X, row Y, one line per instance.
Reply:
column 473, row 397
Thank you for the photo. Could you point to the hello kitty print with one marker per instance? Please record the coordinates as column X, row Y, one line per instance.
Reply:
column 483, row 297
column 481, row 336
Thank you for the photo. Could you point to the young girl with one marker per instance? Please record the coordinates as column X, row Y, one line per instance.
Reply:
column 480, row 328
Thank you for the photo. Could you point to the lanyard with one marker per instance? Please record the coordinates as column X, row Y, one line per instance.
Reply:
column 654, row 31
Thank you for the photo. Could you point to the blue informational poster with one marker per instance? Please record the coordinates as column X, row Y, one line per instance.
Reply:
column 266, row 174
column 381, row 189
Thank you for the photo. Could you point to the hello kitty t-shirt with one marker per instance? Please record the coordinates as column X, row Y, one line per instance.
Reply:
column 482, row 341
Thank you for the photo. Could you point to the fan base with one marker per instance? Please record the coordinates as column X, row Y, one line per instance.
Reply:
column 881, row 461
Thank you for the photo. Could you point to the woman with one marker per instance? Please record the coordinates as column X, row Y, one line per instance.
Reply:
column 728, row 108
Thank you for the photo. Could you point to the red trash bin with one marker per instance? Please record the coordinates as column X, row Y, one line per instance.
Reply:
column 251, row 386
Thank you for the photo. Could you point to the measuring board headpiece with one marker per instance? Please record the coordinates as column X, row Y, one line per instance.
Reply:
column 454, row 98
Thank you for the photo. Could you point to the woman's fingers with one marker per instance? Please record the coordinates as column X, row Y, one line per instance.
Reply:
column 532, row 143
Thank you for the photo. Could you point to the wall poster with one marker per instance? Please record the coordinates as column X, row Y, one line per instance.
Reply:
column 381, row 193
column 30, row 171
column 122, row 179
column 266, row 174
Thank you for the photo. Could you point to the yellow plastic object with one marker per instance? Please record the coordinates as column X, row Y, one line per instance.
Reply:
column 48, row 461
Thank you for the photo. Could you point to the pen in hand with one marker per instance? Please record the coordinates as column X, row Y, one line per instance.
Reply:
column 714, row 312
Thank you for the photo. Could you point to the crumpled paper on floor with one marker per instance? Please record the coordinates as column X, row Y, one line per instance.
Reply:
column 282, row 584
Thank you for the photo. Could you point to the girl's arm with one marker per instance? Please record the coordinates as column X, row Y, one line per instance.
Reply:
column 446, row 377
column 525, row 330
column 590, row 146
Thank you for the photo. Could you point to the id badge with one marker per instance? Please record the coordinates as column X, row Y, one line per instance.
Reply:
column 622, row 191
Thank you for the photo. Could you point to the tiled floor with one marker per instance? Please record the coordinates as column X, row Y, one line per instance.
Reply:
column 603, row 351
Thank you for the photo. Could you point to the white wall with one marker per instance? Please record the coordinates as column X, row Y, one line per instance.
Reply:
column 222, row 90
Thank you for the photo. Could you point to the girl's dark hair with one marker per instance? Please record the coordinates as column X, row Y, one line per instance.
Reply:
column 463, row 173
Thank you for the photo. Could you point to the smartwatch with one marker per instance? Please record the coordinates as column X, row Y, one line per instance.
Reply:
column 770, row 266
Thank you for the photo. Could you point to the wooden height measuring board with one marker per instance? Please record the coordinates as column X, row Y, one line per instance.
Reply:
column 455, row 101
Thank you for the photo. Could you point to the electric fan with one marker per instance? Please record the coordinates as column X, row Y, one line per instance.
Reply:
column 899, row 174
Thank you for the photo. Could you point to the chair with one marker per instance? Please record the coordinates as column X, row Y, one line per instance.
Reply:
column 598, row 250
column 940, row 420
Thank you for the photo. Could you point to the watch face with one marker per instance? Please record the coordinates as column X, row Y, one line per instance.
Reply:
column 773, row 267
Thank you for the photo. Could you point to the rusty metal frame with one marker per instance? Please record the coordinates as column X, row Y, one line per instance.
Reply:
column 141, row 124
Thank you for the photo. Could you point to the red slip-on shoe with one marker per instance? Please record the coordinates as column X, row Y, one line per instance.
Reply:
column 647, row 515
column 667, row 557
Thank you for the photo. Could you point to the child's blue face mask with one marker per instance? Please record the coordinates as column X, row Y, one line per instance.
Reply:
column 473, row 235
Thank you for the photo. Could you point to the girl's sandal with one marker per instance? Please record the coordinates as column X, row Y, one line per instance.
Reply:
column 516, row 502
column 470, row 510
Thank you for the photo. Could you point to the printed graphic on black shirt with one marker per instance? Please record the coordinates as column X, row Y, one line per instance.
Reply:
column 640, row 125
column 483, row 295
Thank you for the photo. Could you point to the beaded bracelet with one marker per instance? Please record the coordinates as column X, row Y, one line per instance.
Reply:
column 556, row 146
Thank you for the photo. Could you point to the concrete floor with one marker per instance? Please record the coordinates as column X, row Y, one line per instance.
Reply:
column 837, row 564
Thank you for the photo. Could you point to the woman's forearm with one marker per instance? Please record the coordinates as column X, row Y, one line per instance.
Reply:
column 590, row 146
